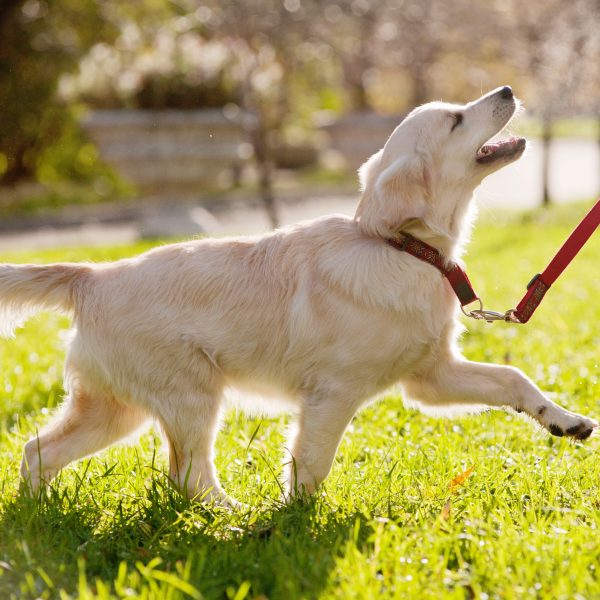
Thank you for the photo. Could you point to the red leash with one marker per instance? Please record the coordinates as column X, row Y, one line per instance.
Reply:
column 536, row 288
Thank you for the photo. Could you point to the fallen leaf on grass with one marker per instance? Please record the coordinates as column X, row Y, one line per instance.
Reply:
column 460, row 479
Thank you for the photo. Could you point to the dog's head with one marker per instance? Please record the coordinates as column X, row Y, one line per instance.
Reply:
column 432, row 163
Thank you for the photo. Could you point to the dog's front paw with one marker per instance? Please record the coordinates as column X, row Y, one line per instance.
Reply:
column 222, row 500
column 565, row 423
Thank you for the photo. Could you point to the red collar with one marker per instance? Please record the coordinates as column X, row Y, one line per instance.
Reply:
column 536, row 288
column 455, row 275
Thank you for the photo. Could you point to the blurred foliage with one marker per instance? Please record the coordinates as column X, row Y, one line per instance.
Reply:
column 67, row 167
column 40, row 40
column 282, row 61
column 25, row 201
column 154, row 67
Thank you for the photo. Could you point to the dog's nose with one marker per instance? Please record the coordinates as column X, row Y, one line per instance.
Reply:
column 506, row 92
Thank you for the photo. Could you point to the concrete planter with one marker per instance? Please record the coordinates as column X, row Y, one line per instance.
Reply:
column 167, row 153
column 357, row 136
column 172, row 157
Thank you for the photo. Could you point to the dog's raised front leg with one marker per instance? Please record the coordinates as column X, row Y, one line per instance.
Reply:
column 456, row 381
column 319, row 430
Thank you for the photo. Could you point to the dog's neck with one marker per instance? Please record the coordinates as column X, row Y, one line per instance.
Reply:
column 442, row 218
column 449, row 234
column 448, row 241
column 445, row 242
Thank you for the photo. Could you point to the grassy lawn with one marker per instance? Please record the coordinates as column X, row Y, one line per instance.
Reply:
column 415, row 507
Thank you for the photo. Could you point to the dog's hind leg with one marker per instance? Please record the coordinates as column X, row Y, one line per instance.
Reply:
column 456, row 381
column 86, row 424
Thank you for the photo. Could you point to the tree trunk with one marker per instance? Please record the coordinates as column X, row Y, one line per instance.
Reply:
column 15, row 147
column 7, row 8
column 265, row 172
column 420, row 93
column 546, row 139
column 354, row 68
column 358, row 97
column 17, row 169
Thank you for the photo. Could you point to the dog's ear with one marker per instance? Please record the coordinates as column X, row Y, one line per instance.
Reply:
column 368, row 171
column 392, row 196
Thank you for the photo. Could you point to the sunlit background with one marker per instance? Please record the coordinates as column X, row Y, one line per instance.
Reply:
column 161, row 118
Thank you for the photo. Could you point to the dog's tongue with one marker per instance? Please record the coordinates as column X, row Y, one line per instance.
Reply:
column 494, row 150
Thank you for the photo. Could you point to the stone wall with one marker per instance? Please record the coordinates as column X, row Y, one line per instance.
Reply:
column 169, row 153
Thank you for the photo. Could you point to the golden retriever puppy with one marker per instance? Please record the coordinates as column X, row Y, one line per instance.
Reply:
column 324, row 313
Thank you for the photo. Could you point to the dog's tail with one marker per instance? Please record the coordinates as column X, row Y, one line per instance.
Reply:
column 27, row 289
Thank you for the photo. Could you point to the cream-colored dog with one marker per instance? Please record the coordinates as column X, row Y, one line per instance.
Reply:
column 324, row 313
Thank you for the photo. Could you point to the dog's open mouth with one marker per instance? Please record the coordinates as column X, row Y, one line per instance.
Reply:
column 501, row 149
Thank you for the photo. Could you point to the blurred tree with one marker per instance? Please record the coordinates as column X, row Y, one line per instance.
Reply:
column 241, row 55
column 420, row 36
column 557, row 46
column 349, row 29
column 264, row 36
column 287, row 58
column 589, row 81
column 39, row 39
column 6, row 9
column 420, row 48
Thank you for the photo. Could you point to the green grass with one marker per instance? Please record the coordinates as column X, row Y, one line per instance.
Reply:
column 395, row 518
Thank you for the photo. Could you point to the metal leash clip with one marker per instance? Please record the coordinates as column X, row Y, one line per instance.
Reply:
column 489, row 316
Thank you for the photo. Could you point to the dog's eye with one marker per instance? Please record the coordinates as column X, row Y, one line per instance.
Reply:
column 458, row 119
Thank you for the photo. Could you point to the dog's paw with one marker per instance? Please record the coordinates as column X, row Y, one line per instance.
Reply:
column 222, row 500
column 568, row 424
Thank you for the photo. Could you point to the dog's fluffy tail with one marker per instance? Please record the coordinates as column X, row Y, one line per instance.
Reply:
column 27, row 289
